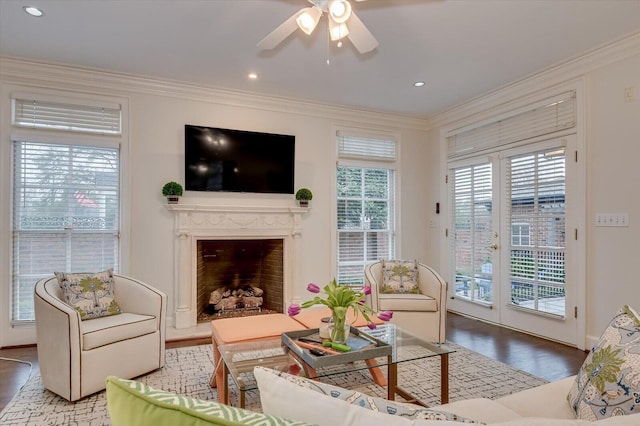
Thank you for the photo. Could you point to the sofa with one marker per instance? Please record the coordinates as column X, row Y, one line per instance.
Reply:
column 291, row 400
column 605, row 392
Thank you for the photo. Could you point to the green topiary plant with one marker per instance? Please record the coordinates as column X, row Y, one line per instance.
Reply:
column 304, row 194
column 172, row 190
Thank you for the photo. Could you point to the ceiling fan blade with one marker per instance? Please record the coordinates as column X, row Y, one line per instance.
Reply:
column 278, row 35
column 360, row 36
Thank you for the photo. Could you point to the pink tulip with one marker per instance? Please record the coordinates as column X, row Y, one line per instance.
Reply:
column 293, row 310
column 313, row 288
column 366, row 290
column 385, row 315
column 372, row 326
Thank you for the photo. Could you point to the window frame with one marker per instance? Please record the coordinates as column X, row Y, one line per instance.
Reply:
column 24, row 333
column 364, row 162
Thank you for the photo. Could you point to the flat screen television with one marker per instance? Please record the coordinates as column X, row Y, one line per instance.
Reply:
column 238, row 161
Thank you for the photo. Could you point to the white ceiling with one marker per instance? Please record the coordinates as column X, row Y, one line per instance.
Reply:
column 460, row 48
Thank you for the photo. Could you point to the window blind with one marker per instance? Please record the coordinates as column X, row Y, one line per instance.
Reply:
column 65, row 215
column 536, row 188
column 472, row 197
column 365, row 204
column 545, row 117
column 365, row 218
column 45, row 114
column 350, row 146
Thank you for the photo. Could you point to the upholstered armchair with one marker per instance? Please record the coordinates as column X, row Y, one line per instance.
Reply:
column 76, row 356
column 422, row 314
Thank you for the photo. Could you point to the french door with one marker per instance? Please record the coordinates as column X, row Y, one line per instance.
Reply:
column 512, row 253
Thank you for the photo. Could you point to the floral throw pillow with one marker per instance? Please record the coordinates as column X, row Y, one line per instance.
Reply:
column 608, row 383
column 399, row 276
column 92, row 295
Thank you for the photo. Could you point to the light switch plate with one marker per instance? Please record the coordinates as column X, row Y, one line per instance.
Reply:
column 612, row 219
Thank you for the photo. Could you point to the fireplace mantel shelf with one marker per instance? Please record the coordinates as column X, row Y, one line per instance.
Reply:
column 235, row 209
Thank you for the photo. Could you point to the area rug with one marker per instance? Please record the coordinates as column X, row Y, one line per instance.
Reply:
column 187, row 371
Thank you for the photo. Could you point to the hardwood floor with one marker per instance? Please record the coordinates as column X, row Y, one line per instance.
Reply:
column 542, row 358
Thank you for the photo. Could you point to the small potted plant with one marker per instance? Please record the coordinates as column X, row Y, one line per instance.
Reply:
column 304, row 195
column 173, row 191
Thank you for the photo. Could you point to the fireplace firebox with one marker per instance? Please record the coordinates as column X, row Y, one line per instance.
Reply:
column 249, row 274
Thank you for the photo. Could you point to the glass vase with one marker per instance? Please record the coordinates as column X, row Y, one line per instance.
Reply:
column 339, row 328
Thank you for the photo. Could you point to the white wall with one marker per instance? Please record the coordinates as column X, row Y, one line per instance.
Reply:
column 158, row 112
column 613, row 175
column 613, row 139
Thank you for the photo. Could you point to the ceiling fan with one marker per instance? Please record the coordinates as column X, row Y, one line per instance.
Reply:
column 343, row 22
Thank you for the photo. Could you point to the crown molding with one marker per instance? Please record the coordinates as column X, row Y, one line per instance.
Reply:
column 66, row 77
column 554, row 75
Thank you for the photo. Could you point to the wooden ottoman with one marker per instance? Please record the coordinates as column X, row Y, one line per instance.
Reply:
column 243, row 329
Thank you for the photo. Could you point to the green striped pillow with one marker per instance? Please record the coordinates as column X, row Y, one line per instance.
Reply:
column 134, row 403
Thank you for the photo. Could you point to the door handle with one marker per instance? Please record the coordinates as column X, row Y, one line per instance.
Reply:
column 494, row 246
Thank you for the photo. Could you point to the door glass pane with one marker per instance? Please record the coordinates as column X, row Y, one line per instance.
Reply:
column 473, row 232
column 536, row 188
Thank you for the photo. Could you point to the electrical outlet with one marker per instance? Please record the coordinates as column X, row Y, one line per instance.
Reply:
column 630, row 94
column 612, row 219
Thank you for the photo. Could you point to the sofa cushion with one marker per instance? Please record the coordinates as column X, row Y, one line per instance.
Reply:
column 399, row 276
column 92, row 295
column 547, row 400
column 107, row 330
column 293, row 397
column 608, row 383
column 134, row 403
column 480, row 409
column 407, row 302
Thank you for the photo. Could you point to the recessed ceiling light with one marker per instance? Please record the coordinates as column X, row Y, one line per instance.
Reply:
column 253, row 76
column 33, row 11
column 419, row 83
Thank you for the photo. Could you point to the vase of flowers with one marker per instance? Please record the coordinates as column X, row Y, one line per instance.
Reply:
column 339, row 298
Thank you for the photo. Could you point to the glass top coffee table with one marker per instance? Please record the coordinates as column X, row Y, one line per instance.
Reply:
column 239, row 359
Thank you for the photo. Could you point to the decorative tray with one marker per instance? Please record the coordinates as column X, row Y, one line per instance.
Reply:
column 362, row 347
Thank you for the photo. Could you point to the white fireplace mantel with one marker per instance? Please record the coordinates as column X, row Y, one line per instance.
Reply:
column 193, row 222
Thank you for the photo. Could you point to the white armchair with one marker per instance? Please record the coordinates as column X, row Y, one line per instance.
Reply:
column 421, row 314
column 76, row 356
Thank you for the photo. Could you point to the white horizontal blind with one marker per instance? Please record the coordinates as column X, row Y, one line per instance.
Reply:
column 472, row 198
column 366, row 148
column 65, row 215
column 536, row 187
column 366, row 199
column 365, row 205
column 545, row 117
column 62, row 116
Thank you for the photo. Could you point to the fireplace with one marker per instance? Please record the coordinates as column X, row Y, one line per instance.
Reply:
column 239, row 277
column 273, row 230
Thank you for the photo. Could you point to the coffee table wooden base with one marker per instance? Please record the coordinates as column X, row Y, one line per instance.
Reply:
column 393, row 389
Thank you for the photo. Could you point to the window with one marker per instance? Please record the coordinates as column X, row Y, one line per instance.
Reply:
column 66, row 206
column 520, row 234
column 365, row 205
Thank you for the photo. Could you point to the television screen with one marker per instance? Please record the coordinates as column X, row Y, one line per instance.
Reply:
column 238, row 161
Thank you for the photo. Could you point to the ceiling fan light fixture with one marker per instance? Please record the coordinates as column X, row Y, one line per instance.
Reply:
column 308, row 19
column 340, row 10
column 337, row 31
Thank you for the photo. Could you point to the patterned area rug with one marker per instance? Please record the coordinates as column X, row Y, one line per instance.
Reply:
column 187, row 371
